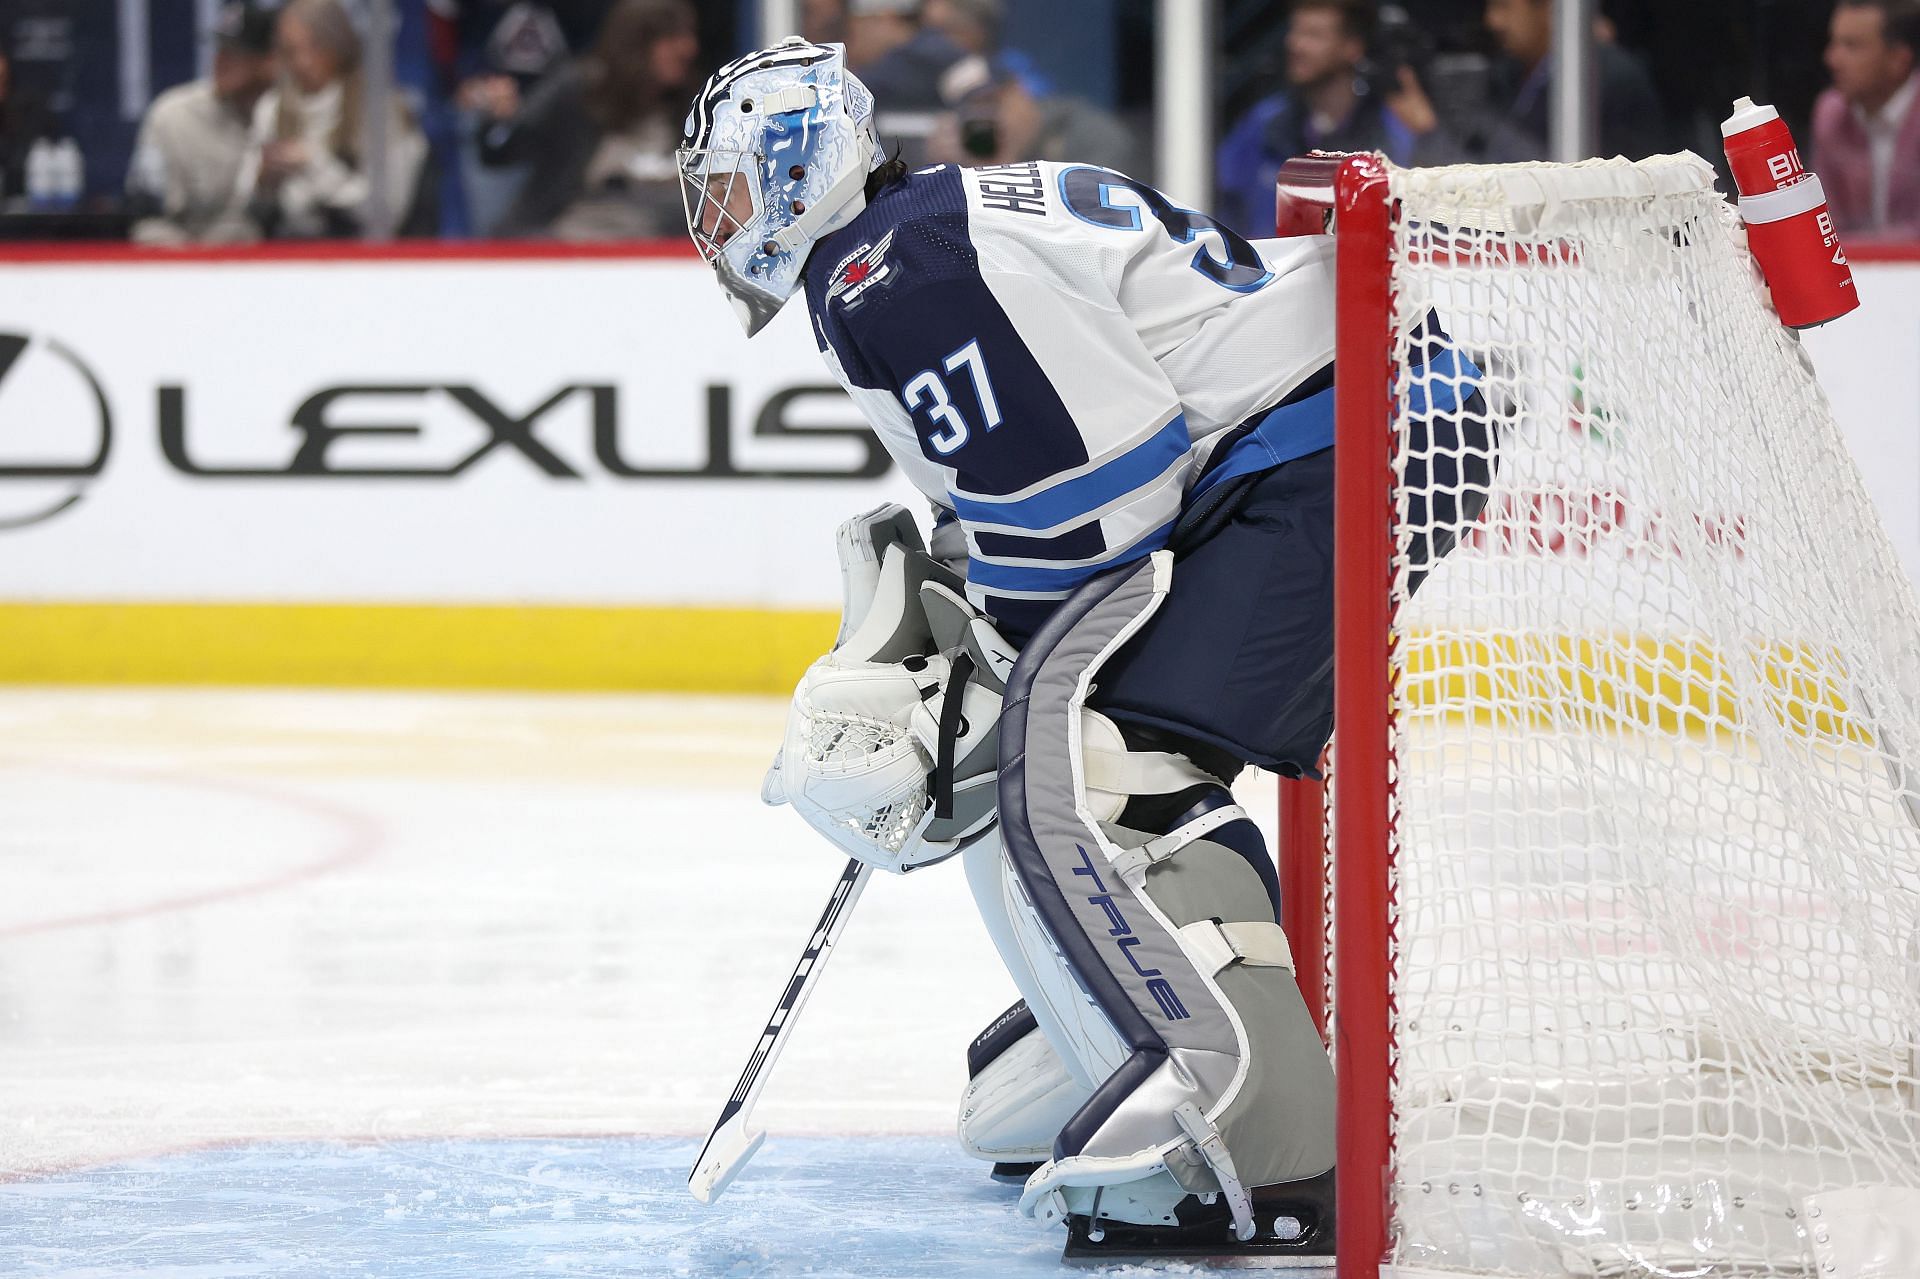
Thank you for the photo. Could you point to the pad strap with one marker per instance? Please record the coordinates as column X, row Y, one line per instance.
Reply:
column 1213, row 945
column 1206, row 1139
column 1141, row 772
column 950, row 722
column 1133, row 863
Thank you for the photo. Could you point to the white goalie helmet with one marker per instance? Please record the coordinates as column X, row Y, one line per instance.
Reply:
column 776, row 154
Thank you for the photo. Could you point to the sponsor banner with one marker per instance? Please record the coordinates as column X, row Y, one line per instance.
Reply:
column 557, row 432
column 550, row 470
column 1869, row 363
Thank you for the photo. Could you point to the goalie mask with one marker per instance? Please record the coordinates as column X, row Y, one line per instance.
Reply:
column 776, row 155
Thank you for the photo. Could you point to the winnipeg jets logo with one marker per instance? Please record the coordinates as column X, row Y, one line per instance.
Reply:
column 861, row 270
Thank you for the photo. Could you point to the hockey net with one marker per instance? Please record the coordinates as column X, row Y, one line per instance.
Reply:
column 1625, row 947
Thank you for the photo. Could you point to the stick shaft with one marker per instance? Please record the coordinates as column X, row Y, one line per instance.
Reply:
column 720, row 1160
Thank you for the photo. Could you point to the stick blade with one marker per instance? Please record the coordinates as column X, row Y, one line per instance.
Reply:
column 727, row 1151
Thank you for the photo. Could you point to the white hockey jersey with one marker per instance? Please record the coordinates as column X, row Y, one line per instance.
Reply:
column 1064, row 359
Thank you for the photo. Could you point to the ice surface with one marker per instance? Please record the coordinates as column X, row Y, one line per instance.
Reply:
column 809, row 1206
column 268, row 957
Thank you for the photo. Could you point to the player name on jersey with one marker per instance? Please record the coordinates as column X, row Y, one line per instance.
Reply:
column 1014, row 188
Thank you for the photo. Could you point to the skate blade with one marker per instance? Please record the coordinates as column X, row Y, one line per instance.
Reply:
column 1270, row 1263
column 1272, row 1257
column 1013, row 1174
column 1295, row 1230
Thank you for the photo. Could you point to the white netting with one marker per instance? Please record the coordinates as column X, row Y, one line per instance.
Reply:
column 1657, row 973
column 841, row 744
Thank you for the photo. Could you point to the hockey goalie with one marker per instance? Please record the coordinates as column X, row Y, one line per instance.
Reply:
column 1121, row 413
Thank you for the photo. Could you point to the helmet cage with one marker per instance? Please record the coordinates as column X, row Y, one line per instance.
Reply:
column 710, row 177
column 709, row 181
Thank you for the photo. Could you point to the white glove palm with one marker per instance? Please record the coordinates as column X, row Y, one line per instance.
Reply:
column 874, row 758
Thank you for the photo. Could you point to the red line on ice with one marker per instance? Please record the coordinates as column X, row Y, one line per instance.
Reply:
column 362, row 841
column 63, row 1167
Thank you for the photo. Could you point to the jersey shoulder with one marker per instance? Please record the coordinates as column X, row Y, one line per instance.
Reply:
column 1046, row 212
column 866, row 278
column 948, row 225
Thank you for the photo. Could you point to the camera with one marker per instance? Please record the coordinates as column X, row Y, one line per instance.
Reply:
column 980, row 134
column 1398, row 42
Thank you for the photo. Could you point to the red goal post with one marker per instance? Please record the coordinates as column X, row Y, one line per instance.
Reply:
column 1315, row 195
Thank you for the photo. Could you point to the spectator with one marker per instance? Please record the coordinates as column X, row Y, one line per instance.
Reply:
column 186, row 161
column 600, row 132
column 1631, row 121
column 1327, row 105
column 824, row 21
column 897, row 55
column 524, row 41
column 1866, row 134
column 996, row 120
column 507, row 48
column 303, row 173
column 22, row 123
column 974, row 25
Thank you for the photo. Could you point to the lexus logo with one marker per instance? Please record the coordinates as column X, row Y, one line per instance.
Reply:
column 55, row 428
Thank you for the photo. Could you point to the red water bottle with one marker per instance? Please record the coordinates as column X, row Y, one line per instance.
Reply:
column 1789, row 227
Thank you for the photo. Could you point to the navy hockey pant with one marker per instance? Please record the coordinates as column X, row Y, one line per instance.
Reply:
column 1240, row 655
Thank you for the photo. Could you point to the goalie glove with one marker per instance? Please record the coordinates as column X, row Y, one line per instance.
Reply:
column 891, row 748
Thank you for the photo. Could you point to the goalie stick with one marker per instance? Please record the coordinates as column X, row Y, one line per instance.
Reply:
column 729, row 1146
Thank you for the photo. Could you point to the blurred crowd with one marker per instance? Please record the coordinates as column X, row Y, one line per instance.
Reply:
column 558, row 118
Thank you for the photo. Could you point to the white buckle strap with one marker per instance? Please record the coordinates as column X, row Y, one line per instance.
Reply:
column 808, row 227
column 1213, row 945
column 1133, row 863
column 795, row 97
column 1206, row 1139
column 1141, row 772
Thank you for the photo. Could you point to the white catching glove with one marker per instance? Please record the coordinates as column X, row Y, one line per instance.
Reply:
column 891, row 748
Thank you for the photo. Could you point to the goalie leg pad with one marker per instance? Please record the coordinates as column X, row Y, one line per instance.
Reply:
column 1224, row 1086
column 1070, row 1021
column 1019, row 1092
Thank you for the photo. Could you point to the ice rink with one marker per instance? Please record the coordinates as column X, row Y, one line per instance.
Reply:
column 368, row 983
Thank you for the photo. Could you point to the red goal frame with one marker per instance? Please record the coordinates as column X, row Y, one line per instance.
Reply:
column 1348, row 194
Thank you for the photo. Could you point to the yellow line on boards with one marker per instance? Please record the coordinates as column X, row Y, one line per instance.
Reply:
column 533, row 647
column 1629, row 681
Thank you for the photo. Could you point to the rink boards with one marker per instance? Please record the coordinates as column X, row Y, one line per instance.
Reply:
column 564, row 468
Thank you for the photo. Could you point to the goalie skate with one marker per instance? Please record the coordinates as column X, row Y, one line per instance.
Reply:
column 1293, row 1230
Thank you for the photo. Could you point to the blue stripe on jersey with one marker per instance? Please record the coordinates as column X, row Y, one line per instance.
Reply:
column 1288, row 432
column 1442, row 384
column 1292, row 431
column 1007, row 577
column 1076, row 498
